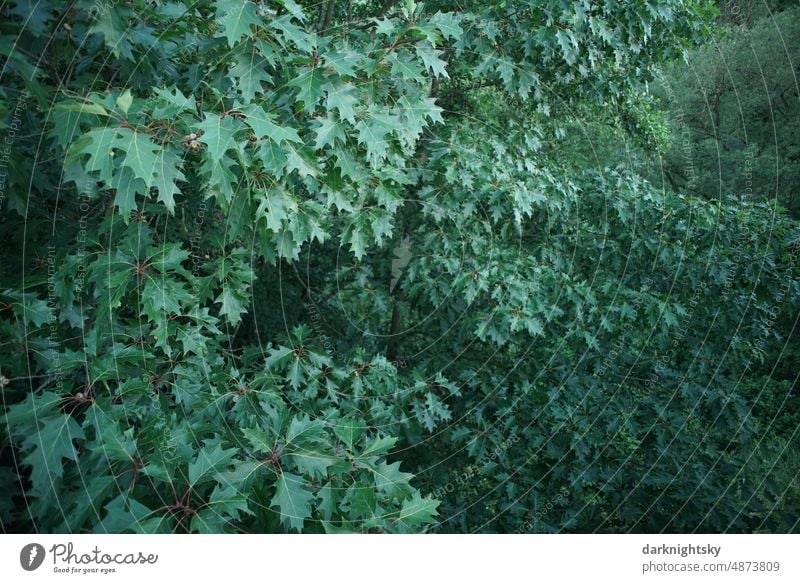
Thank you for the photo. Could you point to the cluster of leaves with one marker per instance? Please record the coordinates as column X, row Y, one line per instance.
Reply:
column 172, row 454
column 627, row 326
column 556, row 325
column 736, row 108
column 291, row 135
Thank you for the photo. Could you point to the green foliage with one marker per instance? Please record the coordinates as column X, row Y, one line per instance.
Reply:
column 735, row 111
column 279, row 266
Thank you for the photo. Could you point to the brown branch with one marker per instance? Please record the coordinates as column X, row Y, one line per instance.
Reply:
column 322, row 13
column 394, row 331
column 325, row 15
column 329, row 14
column 434, row 87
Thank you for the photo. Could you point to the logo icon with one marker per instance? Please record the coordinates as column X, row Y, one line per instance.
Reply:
column 31, row 556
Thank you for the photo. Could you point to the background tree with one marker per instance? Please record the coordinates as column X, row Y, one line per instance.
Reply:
column 734, row 110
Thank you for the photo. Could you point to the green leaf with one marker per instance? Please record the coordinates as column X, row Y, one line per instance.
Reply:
column 233, row 304
column 109, row 440
column 293, row 34
column 210, row 461
column 430, row 57
column 405, row 67
column 296, row 373
column 141, row 154
column 374, row 131
column 448, row 24
column 167, row 170
column 31, row 409
column 292, row 500
column 390, row 480
column 276, row 205
column 304, row 432
column 378, row 446
column 328, row 132
column 349, row 430
column 168, row 257
column 228, row 501
column 173, row 102
column 123, row 514
column 569, row 47
column 358, row 242
column 293, row 8
column 124, row 101
column 219, row 134
column 47, row 446
column 115, row 32
column 309, row 82
column 264, row 125
column 261, row 441
column 342, row 99
column 416, row 115
column 384, row 26
column 29, row 307
column 339, row 527
column 86, row 107
column 250, row 72
column 299, row 159
column 360, row 501
column 98, row 144
column 312, row 463
column 127, row 186
column 348, row 165
column 345, row 62
column 418, row 511
column 221, row 178
column 328, row 502
column 236, row 17
column 162, row 296
column 273, row 156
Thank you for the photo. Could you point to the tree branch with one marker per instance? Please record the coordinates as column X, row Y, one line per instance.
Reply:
column 325, row 15
column 329, row 14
